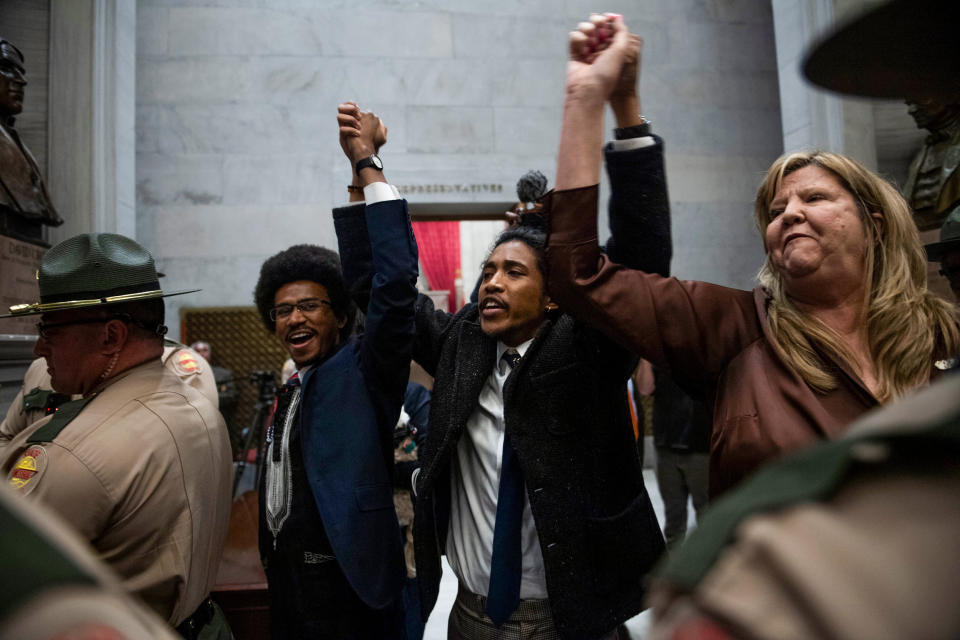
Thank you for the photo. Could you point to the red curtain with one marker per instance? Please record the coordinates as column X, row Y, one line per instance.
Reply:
column 439, row 246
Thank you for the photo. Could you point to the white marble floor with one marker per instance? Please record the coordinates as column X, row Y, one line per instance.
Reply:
column 437, row 624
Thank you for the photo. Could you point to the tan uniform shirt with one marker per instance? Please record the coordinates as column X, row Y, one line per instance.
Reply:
column 143, row 473
column 879, row 559
column 18, row 417
column 61, row 608
column 192, row 369
column 183, row 361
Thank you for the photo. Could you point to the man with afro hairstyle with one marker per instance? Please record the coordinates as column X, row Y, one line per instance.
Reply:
column 307, row 262
column 328, row 531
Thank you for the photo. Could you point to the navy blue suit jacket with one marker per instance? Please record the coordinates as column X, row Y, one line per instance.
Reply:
column 349, row 408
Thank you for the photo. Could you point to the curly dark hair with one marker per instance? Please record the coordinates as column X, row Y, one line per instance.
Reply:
column 304, row 262
column 530, row 236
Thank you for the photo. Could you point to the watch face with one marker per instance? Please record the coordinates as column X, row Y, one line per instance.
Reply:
column 376, row 162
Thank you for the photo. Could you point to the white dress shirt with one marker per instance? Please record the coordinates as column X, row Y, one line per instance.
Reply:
column 629, row 144
column 380, row 192
column 474, row 486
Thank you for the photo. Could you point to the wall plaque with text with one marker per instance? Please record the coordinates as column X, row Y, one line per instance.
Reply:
column 19, row 262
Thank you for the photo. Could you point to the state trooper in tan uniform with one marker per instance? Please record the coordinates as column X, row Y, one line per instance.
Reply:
column 69, row 593
column 140, row 463
column 37, row 398
column 854, row 538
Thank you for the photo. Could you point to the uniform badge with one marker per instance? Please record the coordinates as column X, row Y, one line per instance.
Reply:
column 185, row 363
column 24, row 475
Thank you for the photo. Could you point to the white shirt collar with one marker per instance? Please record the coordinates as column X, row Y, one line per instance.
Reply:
column 520, row 348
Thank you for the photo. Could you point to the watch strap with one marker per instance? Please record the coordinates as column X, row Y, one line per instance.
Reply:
column 370, row 161
column 636, row 131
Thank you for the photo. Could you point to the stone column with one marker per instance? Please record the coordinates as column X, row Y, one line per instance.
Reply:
column 92, row 105
column 812, row 118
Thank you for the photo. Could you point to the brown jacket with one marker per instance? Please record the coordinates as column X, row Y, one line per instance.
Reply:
column 714, row 341
column 143, row 472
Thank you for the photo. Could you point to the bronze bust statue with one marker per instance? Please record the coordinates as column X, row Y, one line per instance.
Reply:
column 25, row 205
column 933, row 183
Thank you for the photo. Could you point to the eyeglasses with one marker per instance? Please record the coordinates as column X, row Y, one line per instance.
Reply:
column 43, row 328
column 306, row 307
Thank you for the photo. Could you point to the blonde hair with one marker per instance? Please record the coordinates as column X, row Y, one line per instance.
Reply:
column 907, row 326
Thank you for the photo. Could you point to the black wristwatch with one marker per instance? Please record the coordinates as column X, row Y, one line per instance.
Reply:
column 636, row 131
column 369, row 161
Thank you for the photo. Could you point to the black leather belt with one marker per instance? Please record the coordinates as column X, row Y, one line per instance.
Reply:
column 190, row 628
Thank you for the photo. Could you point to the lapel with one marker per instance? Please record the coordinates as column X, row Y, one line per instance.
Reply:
column 532, row 363
column 474, row 360
column 331, row 362
column 474, row 363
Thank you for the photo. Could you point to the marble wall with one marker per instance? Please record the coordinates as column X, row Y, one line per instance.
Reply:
column 814, row 118
column 237, row 155
column 92, row 115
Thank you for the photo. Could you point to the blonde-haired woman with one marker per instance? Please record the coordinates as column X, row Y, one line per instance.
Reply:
column 895, row 322
column 842, row 320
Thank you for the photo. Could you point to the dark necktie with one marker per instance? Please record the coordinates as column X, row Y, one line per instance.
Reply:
column 503, row 594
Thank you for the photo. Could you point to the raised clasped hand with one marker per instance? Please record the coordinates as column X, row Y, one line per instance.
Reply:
column 362, row 133
column 604, row 57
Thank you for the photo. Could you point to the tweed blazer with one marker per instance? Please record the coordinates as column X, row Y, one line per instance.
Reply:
column 565, row 409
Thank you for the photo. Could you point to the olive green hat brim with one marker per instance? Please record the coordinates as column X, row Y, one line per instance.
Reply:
column 36, row 308
column 903, row 48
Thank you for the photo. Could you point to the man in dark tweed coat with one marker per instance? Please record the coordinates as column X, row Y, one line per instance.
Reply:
column 586, row 533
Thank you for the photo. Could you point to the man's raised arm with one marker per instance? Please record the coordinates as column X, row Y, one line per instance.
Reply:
column 389, row 329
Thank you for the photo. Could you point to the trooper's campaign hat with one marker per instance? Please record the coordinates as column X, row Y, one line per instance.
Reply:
column 900, row 49
column 94, row 269
column 949, row 238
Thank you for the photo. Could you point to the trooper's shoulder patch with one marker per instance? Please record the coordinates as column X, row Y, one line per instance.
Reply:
column 185, row 363
column 24, row 475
